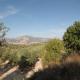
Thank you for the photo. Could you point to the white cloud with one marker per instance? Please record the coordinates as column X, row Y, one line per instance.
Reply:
column 10, row 10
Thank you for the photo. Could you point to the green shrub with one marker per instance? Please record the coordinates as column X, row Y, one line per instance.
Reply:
column 53, row 51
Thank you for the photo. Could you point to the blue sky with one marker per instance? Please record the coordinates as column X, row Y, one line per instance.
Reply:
column 39, row 18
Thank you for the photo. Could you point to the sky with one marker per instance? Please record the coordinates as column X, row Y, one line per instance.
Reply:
column 39, row 18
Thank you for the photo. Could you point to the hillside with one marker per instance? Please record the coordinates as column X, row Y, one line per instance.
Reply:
column 26, row 40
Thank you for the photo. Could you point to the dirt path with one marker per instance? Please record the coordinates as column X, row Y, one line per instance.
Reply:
column 8, row 72
column 38, row 66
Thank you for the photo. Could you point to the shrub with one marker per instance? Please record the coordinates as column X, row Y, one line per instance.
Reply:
column 53, row 51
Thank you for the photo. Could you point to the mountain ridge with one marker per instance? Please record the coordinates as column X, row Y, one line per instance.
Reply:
column 26, row 39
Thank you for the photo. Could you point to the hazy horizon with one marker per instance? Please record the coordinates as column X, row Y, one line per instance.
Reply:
column 39, row 18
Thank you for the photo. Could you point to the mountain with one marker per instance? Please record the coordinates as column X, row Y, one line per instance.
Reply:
column 26, row 40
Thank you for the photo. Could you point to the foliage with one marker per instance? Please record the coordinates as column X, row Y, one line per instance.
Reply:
column 23, row 63
column 3, row 30
column 53, row 50
column 14, row 53
column 71, row 38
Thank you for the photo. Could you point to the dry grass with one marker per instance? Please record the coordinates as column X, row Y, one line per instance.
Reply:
column 72, row 58
column 68, row 70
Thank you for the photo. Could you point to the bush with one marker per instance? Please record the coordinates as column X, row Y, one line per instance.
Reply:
column 53, row 51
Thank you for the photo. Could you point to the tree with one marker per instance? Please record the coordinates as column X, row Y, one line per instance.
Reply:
column 53, row 50
column 71, row 38
column 3, row 30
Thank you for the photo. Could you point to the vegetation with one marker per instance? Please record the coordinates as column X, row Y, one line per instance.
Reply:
column 24, row 56
column 3, row 30
column 53, row 51
column 50, row 52
column 66, row 71
column 69, row 68
column 71, row 38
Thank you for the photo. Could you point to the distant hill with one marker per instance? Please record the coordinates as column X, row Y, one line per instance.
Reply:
column 26, row 40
